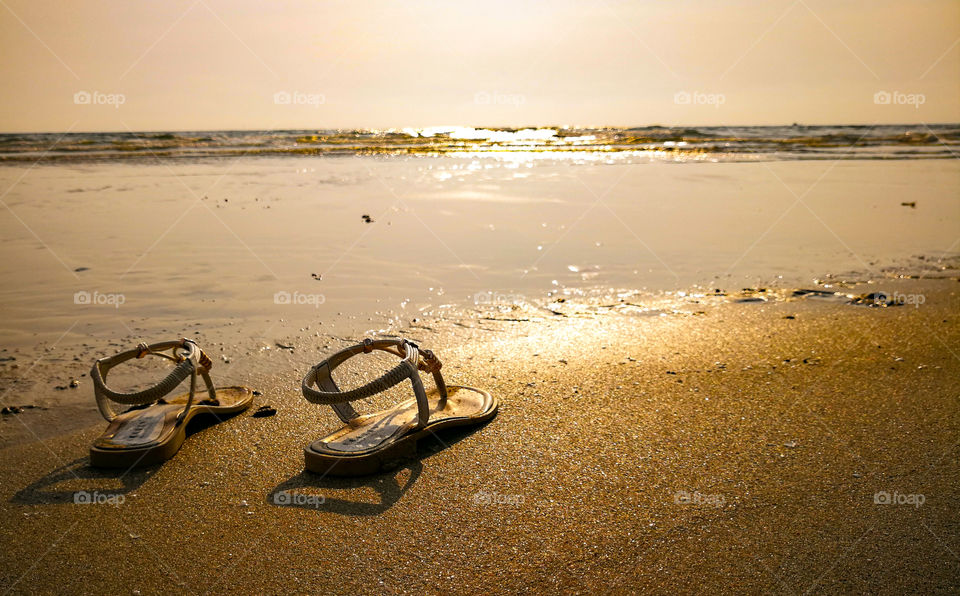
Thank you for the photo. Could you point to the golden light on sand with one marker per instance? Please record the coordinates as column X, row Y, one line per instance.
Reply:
column 479, row 297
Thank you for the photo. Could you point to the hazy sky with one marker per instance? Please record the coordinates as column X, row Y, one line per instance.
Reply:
column 239, row 64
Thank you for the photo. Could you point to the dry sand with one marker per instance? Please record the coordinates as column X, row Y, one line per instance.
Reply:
column 778, row 421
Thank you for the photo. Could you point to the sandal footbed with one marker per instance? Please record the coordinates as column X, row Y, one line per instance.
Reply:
column 151, row 435
column 370, row 443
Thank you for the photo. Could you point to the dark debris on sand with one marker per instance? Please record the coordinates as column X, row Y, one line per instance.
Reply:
column 264, row 412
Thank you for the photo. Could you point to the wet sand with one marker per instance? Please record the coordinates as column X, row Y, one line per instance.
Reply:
column 715, row 445
column 180, row 247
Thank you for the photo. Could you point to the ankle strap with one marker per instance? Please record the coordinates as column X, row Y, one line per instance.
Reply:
column 186, row 353
column 414, row 359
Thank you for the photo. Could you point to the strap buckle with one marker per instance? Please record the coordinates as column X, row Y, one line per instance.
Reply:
column 192, row 350
column 429, row 362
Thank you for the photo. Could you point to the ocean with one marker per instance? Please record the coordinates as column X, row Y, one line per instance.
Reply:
column 571, row 144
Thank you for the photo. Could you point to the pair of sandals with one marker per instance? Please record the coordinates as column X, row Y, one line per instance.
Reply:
column 154, row 427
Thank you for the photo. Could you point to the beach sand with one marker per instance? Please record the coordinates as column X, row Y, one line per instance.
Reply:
column 674, row 418
column 713, row 445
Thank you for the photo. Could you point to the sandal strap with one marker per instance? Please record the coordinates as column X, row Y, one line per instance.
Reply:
column 414, row 359
column 188, row 365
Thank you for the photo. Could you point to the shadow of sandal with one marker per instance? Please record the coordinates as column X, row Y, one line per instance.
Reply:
column 76, row 482
column 308, row 490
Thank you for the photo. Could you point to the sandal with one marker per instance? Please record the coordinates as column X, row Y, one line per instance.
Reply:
column 153, row 429
column 367, row 442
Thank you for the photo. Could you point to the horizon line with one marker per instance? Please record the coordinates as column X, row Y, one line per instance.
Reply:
column 524, row 127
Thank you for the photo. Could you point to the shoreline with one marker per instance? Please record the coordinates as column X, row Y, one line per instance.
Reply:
column 55, row 384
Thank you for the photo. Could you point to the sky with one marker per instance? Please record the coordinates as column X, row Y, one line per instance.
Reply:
column 96, row 65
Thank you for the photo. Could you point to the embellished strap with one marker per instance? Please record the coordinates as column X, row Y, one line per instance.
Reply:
column 186, row 353
column 414, row 359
